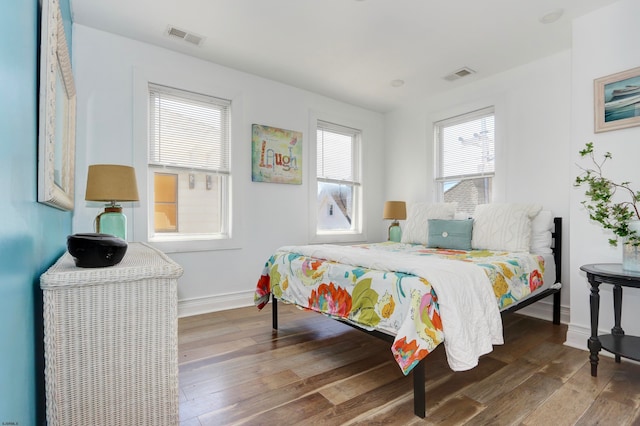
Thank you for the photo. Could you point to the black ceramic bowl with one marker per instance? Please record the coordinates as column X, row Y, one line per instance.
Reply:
column 96, row 250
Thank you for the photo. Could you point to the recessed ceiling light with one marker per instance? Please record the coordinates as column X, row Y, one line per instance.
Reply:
column 551, row 17
column 397, row 83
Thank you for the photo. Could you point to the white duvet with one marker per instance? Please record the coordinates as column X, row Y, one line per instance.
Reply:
column 470, row 316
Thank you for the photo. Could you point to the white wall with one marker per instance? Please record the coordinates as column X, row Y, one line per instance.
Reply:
column 532, row 107
column 108, row 70
column 605, row 42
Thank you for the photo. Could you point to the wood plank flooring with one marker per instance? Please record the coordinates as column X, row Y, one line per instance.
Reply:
column 235, row 370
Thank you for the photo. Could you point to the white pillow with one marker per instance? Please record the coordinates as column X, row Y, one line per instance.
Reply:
column 541, row 228
column 503, row 226
column 416, row 228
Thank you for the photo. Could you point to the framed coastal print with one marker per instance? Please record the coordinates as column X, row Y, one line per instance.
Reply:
column 276, row 155
column 617, row 100
column 57, row 113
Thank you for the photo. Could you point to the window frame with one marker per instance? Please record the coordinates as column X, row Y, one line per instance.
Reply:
column 141, row 212
column 159, row 165
column 440, row 180
column 357, row 233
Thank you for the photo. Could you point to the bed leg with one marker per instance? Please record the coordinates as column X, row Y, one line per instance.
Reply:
column 556, row 308
column 418, row 390
column 274, row 312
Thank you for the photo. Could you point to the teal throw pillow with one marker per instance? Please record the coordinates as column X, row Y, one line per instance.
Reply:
column 450, row 234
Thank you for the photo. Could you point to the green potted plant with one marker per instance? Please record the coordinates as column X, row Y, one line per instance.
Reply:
column 602, row 194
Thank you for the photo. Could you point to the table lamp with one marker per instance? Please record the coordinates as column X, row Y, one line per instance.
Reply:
column 111, row 183
column 395, row 210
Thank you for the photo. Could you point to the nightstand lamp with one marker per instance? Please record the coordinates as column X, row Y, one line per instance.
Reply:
column 111, row 183
column 395, row 211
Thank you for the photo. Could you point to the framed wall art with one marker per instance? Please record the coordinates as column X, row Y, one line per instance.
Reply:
column 57, row 113
column 617, row 100
column 276, row 155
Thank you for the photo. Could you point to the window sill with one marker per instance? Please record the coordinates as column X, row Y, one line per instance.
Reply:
column 193, row 243
column 338, row 237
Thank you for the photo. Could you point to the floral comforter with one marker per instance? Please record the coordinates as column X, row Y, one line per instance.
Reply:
column 385, row 295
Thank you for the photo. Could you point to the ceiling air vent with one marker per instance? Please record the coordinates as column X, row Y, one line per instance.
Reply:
column 192, row 38
column 462, row 72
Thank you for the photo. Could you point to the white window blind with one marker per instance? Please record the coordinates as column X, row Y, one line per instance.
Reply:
column 465, row 146
column 337, row 153
column 188, row 130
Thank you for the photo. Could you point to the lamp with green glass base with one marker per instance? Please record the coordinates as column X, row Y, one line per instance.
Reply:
column 112, row 221
column 395, row 210
column 111, row 183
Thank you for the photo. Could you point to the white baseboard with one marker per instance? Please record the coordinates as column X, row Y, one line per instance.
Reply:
column 544, row 310
column 220, row 302
column 577, row 337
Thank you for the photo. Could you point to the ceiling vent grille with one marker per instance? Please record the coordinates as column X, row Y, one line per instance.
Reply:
column 462, row 72
column 189, row 37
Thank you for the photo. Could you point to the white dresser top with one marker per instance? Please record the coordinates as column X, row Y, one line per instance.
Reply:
column 140, row 262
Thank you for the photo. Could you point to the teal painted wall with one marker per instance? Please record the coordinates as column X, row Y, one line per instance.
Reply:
column 32, row 235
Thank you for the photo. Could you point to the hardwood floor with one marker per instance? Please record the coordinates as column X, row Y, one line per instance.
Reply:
column 234, row 369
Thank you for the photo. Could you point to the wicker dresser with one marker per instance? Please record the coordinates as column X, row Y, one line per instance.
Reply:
column 111, row 350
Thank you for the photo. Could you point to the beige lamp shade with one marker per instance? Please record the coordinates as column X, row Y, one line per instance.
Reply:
column 395, row 210
column 111, row 182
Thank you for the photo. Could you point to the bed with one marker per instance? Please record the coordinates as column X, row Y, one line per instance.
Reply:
column 447, row 282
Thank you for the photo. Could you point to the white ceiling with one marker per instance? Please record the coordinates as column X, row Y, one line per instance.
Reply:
column 349, row 50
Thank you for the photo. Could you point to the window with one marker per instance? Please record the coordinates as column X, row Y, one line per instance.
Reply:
column 465, row 159
column 338, row 177
column 188, row 165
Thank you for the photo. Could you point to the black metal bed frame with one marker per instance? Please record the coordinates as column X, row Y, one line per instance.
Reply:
column 418, row 372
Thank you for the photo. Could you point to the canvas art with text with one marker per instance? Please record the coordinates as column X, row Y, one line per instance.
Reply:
column 276, row 155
